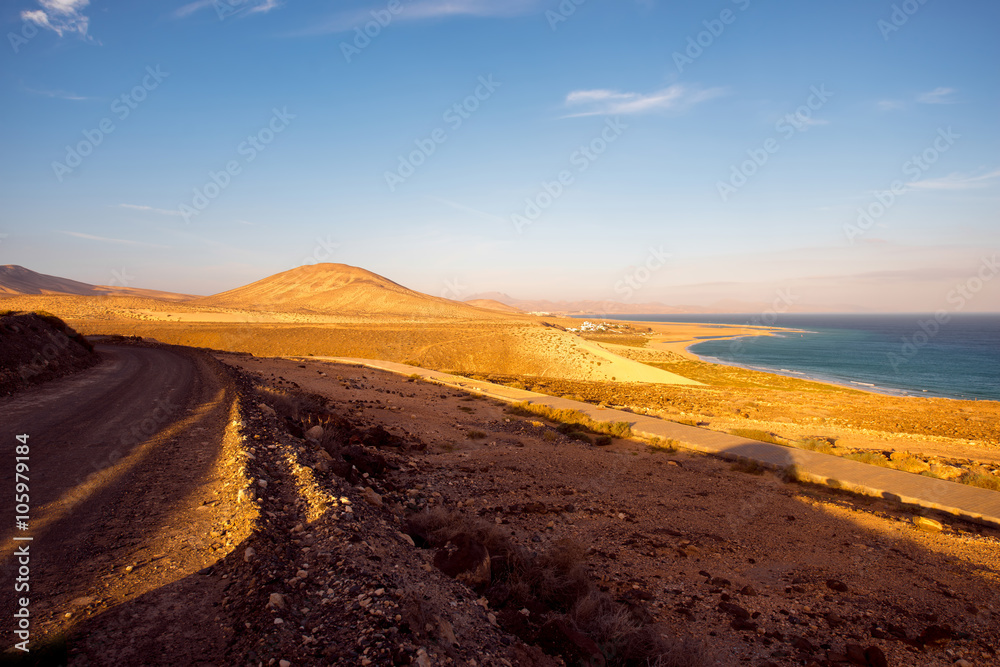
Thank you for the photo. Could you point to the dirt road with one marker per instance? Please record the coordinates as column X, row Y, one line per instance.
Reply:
column 125, row 499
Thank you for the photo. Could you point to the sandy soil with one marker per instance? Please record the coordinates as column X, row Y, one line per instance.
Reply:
column 768, row 572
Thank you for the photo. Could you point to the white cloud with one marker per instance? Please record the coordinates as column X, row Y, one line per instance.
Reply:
column 429, row 9
column 613, row 103
column 104, row 239
column 958, row 181
column 60, row 16
column 139, row 207
column 937, row 96
column 60, row 94
column 226, row 8
column 265, row 6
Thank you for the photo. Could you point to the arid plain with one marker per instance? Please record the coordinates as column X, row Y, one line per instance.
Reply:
column 742, row 565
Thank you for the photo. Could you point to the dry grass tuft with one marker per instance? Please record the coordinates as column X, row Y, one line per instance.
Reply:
column 979, row 476
column 570, row 417
column 557, row 586
column 757, row 434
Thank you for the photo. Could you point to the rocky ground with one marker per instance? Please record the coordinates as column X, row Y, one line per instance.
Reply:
column 727, row 566
column 36, row 347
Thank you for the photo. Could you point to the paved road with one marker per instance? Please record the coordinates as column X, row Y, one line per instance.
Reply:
column 957, row 499
column 118, row 454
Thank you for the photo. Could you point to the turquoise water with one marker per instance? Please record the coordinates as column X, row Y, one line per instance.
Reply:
column 897, row 354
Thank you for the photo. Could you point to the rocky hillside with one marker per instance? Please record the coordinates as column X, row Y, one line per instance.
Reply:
column 35, row 347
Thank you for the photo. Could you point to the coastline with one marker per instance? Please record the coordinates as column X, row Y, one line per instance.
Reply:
column 680, row 338
column 867, row 387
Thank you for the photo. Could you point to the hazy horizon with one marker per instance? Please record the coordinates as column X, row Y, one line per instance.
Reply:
column 637, row 152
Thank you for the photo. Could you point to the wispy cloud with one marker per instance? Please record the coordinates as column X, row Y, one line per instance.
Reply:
column 468, row 209
column 937, row 96
column 226, row 8
column 60, row 16
column 601, row 102
column 890, row 105
column 104, row 239
column 57, row 94
column 139, row 207
column 429, row 9
column 959, row 181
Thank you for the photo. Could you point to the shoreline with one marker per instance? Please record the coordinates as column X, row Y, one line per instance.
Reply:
column 869, row 388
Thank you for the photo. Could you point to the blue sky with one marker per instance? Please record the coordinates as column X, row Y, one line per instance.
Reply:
column 707, row 151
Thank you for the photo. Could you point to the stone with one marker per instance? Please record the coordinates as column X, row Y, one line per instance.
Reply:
column 276, row 601
column 248, row 554
column 315, row 433
column 371, row 497
column 929, row 525
column 875, row 657
column 284, row 663
column 804, row 645
column 734, row 610
column 836, row 585
column 748, row 590
column 266, row 409
column 446, row 632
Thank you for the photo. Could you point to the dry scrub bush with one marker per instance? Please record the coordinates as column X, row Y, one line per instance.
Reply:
column 559, row 580
column 979, row 476
column 571, row 417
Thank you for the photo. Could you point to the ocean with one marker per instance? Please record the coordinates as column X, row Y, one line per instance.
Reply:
column 912, row 355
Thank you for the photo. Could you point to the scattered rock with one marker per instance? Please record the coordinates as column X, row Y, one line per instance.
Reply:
column 371, row 497
column 929, row 525
column 315, row 433
column 875, row 657
column 734, row 610
column 835, row 585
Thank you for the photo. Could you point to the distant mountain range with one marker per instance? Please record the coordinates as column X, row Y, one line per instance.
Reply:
column 15, row 280
column 344, row 289
column 654, row 308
